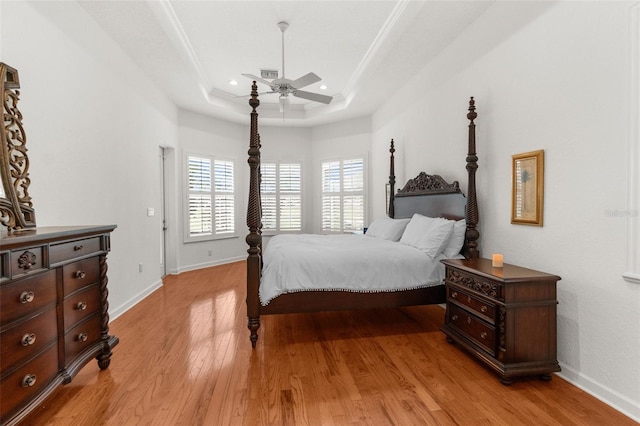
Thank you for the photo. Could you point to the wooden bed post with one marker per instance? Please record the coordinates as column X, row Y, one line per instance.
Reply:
column 472, row 233
column 254, row 239
column 392, row 180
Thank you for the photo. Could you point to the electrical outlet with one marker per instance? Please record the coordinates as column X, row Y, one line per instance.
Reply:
column 139, row 267
column 210, row 252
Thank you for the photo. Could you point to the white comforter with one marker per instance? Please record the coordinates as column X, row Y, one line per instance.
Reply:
column 343, row 262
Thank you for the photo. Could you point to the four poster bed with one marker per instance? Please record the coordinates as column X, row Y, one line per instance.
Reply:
column 425, row 202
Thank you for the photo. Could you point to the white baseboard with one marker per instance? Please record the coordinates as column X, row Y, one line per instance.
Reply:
column 115, row 313
column 610, row 397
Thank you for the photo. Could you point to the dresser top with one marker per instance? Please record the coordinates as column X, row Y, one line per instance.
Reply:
column 508, row 273
column 49, row 234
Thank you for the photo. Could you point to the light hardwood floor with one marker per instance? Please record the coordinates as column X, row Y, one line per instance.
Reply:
column 185, row 358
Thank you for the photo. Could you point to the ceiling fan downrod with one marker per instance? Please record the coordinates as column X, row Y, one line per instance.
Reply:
column 283, row 27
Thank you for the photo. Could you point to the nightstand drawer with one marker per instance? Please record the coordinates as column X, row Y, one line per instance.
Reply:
column 474, row 328
column 486, row 310
column 489, row 288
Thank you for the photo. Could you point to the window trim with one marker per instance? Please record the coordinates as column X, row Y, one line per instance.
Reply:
column 185, row 187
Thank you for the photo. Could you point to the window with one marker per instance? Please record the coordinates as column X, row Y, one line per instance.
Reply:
column 211, row 198
column 343, row 195
column 281, row 196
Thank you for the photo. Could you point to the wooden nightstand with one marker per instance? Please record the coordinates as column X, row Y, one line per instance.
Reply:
column 506, row 317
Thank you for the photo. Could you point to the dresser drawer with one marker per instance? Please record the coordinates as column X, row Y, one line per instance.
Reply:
column 27, row 295
column 80, row 274
column 474, row 328
column 27, row 339
column 74, row 249
column 486, row 287
column 81, row 337
column 29, row 380
column 81, row 305
column 485, row 310
column 28, row 260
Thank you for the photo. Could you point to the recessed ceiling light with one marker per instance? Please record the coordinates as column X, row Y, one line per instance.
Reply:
column 233, row 82
column 323, row 87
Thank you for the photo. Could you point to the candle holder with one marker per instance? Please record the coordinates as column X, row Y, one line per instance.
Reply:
column 497, row 260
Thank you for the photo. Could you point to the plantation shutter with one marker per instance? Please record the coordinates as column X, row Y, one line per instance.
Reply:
column 224, row 197
column 268, row 191
column 281, row 195
column 343, row 195
column 200, row 197
column 290, row 197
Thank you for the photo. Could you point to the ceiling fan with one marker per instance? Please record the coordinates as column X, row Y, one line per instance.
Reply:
column 285, row 87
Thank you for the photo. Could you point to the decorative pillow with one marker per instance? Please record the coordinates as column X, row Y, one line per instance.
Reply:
column 387, row 228
column 456, row 241
column 428, row 234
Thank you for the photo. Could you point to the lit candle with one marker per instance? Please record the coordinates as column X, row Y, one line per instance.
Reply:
column 496, row 260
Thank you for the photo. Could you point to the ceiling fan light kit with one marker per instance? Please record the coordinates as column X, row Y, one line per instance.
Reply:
column 284, row 86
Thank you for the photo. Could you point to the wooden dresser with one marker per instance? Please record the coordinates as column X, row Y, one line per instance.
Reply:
column 53, row 311
column 506, row 317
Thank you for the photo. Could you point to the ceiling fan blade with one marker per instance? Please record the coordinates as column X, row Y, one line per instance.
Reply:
column 305, row 80
column 256, row 78
column 313, row 96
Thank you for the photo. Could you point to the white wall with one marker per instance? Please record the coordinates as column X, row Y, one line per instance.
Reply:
column 553, row 77
column 93, row 126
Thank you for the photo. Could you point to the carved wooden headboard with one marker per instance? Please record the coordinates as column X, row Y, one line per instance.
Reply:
column 430, row 195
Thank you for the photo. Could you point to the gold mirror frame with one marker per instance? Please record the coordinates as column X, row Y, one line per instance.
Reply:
column 16, row 208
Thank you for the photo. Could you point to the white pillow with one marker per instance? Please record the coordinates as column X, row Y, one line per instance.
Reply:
column 428, row 234
column 456, row 241
column 387, row 228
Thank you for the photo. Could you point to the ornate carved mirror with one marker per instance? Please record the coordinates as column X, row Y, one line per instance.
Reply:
column 16, row 208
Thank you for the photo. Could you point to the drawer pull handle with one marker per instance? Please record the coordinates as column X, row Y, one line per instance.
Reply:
column 454, row 318
column 81, row 306
column 469, row 320
column 27, row 297
column 82, row 337
column 78, row 247
column 28, row 380
column 484, row 309
column 454, row 294
column 468, row 299
column 28, row 339
column 80, row 275
column 484, row 334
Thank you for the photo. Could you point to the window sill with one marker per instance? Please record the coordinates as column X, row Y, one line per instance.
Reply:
column 214, row 238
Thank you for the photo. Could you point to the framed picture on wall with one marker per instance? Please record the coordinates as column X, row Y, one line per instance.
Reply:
column 527, row 188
